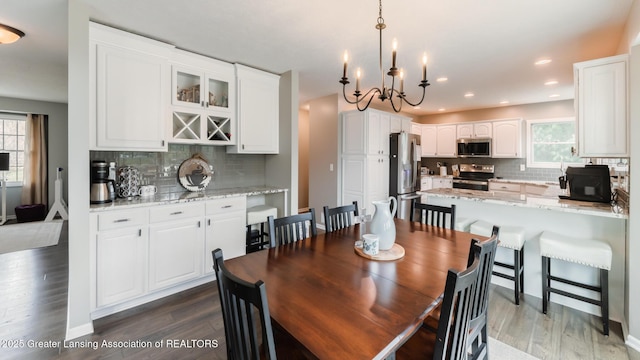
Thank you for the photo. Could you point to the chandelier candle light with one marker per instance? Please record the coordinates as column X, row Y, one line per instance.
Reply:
column 383, row 92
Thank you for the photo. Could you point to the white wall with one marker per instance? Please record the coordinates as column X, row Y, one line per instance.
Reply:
column 282, row 170
column 56, row 146
column 323, row 152
column 78, row 306
column 551, row 109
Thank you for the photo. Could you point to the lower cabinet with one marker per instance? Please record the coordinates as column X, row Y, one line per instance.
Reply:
column 143, row 254
column 175, row 252
column 120, row 264
column 226, row 223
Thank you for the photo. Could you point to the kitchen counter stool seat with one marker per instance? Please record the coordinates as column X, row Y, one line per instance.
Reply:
column 464, row 224
column 588, row 252
column 511, row 237
column 257, row 215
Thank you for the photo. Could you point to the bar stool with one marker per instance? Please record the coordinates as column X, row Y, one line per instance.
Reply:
column 464, row 224
column 589, row 252
column 511, row 237
column 258, row 215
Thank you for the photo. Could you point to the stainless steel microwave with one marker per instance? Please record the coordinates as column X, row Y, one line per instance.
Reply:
column 476, row 147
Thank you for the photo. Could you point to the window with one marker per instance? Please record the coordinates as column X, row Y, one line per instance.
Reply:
column 12, row 138
column 549, row 143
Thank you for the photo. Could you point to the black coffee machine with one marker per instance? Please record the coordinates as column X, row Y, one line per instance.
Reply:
column 102, row 188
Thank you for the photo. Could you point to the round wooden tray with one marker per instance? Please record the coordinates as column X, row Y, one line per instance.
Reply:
column 396, row 252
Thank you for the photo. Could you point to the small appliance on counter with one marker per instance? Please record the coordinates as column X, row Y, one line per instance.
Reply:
column 102, row 188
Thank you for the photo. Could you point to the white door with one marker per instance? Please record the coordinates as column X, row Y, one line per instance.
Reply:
column 120, row 265
column 175, row 252
column 446, row 143
column 429, row 140
column 227, row 232
column 507, row 139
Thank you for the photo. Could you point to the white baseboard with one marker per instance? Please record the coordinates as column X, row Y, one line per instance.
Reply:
column 633, row 342
column 78, row 331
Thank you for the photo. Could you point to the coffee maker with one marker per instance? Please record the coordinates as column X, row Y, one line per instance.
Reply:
column 102, row 188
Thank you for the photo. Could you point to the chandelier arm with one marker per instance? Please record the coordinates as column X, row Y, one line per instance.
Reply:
column 424, row 88
column 392, row 90
column 368, row 102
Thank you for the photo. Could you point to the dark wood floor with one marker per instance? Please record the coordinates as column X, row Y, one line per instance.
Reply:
column 33, row 301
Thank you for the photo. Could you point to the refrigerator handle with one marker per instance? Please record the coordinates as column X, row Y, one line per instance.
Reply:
column 415, row 148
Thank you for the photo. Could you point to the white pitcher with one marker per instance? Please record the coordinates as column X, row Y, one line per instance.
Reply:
column 382, row 223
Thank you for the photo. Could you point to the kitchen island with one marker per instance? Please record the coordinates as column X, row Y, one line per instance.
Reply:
column 544, row 211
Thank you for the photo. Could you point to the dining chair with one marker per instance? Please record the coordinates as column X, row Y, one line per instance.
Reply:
column 289, row 229
column 241, row 301
column 450, row 340
column 339, row 217
column 433, row 214
column 486, row 252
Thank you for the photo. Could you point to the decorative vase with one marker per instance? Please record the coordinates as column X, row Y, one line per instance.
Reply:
column 382, row 223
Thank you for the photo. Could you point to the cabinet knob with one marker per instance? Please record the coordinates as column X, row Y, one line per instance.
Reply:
column 208, row 222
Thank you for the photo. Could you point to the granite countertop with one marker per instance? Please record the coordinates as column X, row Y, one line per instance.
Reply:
column 549, row 201
column 185, row 196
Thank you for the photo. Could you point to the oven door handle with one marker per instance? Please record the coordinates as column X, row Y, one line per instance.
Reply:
column 470, row 182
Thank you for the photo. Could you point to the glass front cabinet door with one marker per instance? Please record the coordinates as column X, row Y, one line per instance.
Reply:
column 202, row 104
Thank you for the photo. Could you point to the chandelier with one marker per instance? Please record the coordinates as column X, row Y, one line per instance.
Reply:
column 362, row 101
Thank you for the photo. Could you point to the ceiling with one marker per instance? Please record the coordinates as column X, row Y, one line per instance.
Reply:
column 487, row 47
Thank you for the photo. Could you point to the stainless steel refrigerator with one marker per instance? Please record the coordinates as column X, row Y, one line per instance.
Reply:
column 404, row 170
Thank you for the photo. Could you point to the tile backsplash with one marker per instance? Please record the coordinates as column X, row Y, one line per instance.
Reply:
column 504, row 168
column 160, row 169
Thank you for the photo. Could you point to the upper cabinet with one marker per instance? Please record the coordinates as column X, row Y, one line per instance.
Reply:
column 257, row 112
column 202, row 99
column 365, row 132
column 601, row 105
column 129, row 83
column 438, row 140
column 474, row 130
column 416, row 128
column 398, row 123
column 507, row 139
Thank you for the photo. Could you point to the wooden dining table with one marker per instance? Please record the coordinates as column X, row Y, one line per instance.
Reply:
column 341, row 305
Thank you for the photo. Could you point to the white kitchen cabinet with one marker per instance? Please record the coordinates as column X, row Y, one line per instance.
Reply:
column 416, row 129
column 474, row 130
column 429, row 140
column 399, row 123
column 507, row 139
column 258, row 112
column 129, row 82
column 377, row 181
column 446, row 141
column 352, row 179
column 602, row 107
column 442, row 182
column 226, row 222
column 176, row 244
column 365, row 132
column 203, row 100
column 119, row 256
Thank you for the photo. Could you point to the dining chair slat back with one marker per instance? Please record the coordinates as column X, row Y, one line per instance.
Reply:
column 340, row 217
column 241, row 301
column 485, row 251
column 453, row 325
column 434, row 215
column 289, row 229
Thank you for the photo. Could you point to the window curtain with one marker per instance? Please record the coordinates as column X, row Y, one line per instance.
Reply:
column 34, row 187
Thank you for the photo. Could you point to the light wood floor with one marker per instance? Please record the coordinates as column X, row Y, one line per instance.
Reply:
column 33, row 301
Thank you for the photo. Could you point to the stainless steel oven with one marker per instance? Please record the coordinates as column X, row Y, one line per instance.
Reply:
column 474, row 177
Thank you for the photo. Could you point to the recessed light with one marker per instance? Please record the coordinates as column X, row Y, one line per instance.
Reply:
column 504, row 102
column 442, row 79
column 551, row 82
column 469, row 94
column 442, row 109
column 543, row 61
column 417, row 108
column 554, row 95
